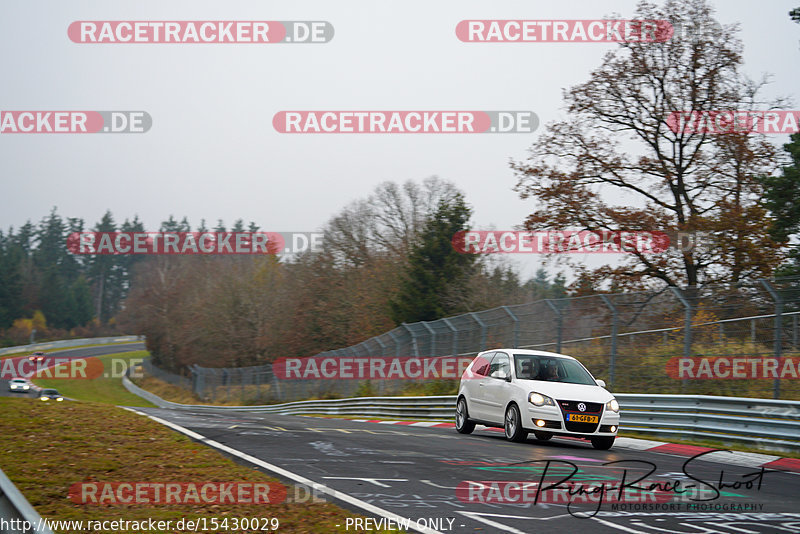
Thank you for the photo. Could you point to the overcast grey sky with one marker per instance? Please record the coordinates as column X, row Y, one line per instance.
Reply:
column 212, row 151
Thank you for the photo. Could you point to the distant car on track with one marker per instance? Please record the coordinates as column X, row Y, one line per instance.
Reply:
column 19, row 385
column 50, row 394
column 37, row 357
column 545, row 393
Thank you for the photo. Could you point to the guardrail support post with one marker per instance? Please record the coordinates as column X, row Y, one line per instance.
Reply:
column 396, row 342
column 276, row 381
column 483, row 329
column 614, row 331
column 776, row 383
column 414, row 345
column 687, row 327
column 455, row 335
column 197, row 380
column 560, row 319
column 381, row 344
column 433, row 337
column 515, row 342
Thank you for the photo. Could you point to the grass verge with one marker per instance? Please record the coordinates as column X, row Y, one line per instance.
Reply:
column 47, row 447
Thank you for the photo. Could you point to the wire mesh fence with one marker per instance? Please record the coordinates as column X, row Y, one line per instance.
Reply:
column 737, row 340
column 166, row 376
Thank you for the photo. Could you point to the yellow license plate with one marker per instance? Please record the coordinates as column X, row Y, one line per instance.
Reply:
column 581, row 418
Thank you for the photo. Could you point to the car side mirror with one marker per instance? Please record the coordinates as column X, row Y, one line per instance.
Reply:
column 601, row 383
column 501, row 375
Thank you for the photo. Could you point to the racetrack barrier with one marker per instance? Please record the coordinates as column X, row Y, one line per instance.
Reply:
column 759, row 423
column 16, row 510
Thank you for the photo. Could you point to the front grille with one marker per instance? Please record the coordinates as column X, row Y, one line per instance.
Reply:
column 572, row 406
column 593, row 408
column 583, row 428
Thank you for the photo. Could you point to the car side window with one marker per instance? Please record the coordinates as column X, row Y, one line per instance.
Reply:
column 481, row 365
column 527, row 368
column 500, row 366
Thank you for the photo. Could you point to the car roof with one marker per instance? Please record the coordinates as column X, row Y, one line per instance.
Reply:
column 19, row 380
column 531, row 353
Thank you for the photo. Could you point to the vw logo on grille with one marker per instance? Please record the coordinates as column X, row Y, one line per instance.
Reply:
column 581, row 407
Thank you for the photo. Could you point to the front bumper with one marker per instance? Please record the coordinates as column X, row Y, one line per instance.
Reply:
column 554, row 419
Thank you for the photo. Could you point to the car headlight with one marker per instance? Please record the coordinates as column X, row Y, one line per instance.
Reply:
column 43, row 398
column 537, row 399
column 60, row 399
column 613, row 405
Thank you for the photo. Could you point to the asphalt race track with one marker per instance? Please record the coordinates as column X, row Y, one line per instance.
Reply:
column 414, row 471
column 84, row 352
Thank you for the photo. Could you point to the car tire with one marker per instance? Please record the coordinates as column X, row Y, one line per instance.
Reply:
column 513, row 425
column 542, row 436
column 603, row 443
column 463, row 424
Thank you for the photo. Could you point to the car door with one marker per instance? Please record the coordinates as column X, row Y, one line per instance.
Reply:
column 476, row 398
column 497, row 388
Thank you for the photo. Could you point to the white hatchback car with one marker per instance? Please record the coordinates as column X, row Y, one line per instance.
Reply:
column 19, row 385
column 545, row 393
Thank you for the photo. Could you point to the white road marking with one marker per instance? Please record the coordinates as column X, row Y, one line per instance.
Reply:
column 636, row 444
column 623, row 528
column 344, row 497
column 372, row 480
column 746, row 459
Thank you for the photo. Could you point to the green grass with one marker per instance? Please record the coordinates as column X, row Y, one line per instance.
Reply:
column 104, row 389
column 47, row 447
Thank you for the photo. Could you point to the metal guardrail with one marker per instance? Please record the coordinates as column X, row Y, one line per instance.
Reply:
column 760, row 423
column 16, row 512
column 66, row 343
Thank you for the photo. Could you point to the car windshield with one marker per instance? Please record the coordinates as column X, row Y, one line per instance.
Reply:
column 553, row 369
column 49, row 392
column 19, row 380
